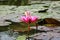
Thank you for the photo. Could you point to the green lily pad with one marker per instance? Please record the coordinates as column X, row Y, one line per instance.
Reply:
column 21, row 37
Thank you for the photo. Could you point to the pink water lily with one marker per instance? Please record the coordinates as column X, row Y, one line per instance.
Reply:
column 28, row 18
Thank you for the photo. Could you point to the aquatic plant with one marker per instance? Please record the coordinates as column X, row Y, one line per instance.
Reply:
column 28, row 19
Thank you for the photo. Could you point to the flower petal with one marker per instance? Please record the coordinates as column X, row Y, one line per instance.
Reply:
column 33, row 18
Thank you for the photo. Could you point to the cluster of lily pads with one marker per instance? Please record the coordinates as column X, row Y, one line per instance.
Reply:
column 14, row 13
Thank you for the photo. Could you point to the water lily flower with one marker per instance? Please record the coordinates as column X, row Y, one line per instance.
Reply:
column 29, row 19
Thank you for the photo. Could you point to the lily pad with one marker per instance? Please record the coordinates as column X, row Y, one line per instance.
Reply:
column 21, row 37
